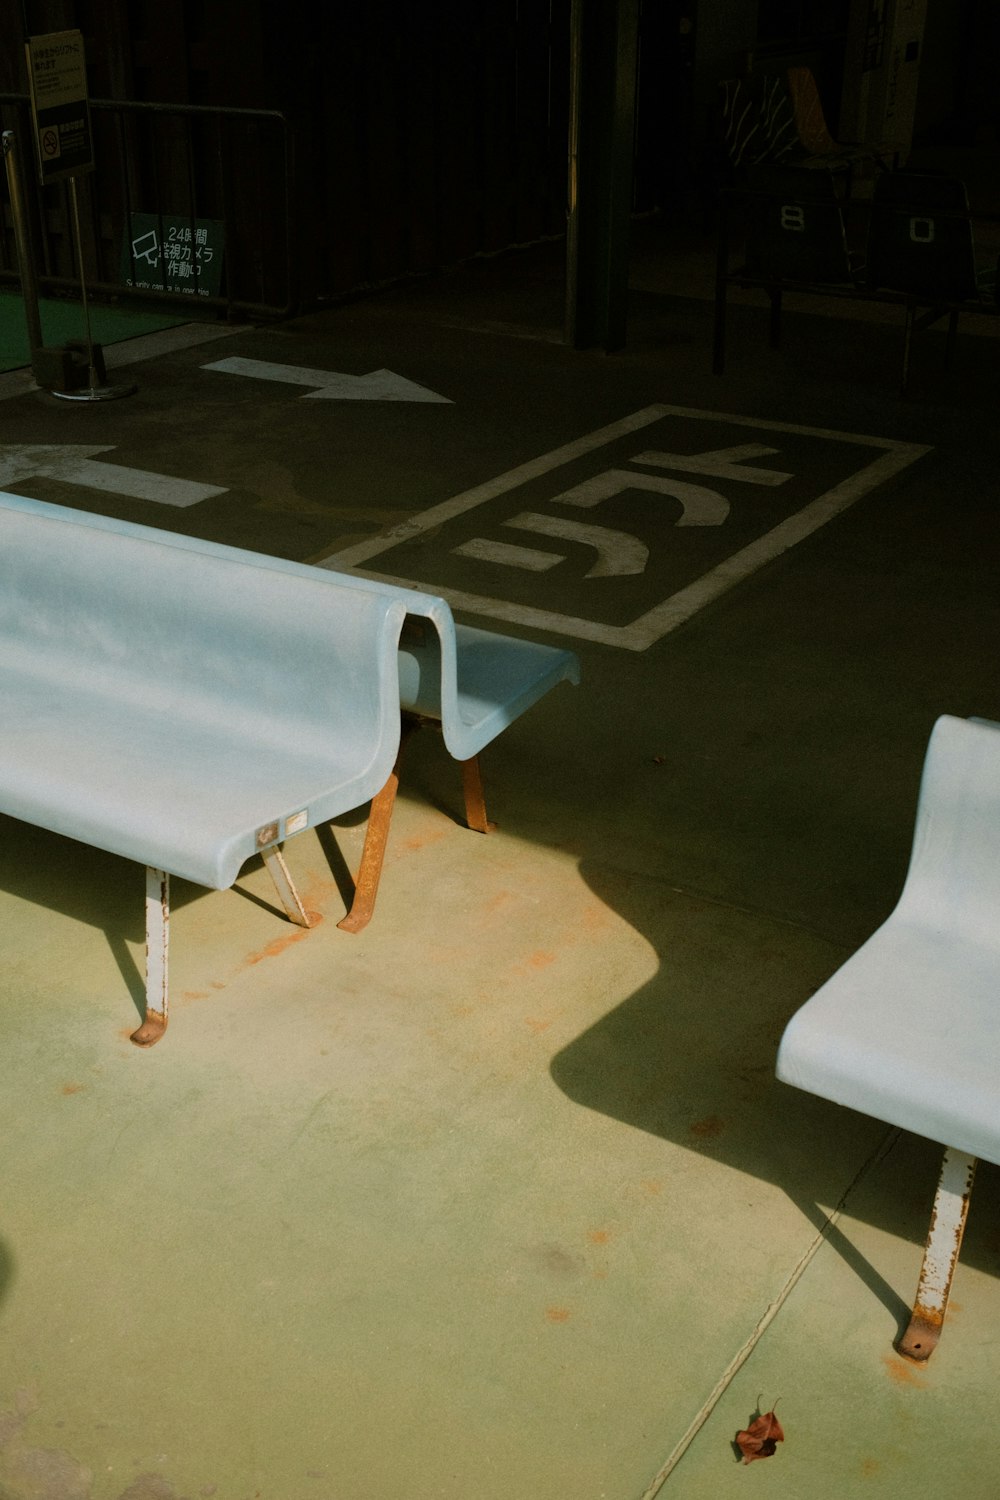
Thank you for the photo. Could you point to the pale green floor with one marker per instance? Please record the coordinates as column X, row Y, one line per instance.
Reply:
column 501, row 1197
column 355, row 1230
column 63, row 319
column 858, row 1419
column 344, row 1233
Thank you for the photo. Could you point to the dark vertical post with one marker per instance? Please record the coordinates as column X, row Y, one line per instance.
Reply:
column 22, row 240
column 603, row 58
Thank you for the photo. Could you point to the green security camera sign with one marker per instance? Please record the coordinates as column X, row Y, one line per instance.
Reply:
column 170, row 253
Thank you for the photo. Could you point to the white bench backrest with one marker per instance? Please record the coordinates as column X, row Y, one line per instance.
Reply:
column 200, row 634
column 953, row 881
column 475, row 682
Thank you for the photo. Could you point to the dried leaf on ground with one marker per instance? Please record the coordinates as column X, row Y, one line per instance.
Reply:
column 761, row 1438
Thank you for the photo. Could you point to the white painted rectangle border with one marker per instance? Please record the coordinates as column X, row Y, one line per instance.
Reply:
column 659, row 621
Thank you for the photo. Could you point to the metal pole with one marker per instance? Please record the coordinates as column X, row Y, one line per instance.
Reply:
column 573, row 320
column 94, row 382
column 603, row 60
column 22, row 239
column 98, row 389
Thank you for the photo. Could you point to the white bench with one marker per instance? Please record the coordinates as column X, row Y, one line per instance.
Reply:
column 908, row 1030
column 182, row 710
column 160, row 688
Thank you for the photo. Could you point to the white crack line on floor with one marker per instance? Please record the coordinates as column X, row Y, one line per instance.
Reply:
column 764, row 1322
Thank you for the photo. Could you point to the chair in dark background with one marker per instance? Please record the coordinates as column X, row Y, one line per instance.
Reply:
column 920, row 243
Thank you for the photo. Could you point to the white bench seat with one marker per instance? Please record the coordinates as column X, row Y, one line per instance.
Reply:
column 474, row 682
column 908, row 1029
column 137, row 780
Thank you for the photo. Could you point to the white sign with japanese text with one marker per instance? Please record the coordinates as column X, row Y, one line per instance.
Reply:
column 57, row 75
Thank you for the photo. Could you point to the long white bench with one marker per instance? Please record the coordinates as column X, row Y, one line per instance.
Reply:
column 472, row 684
column 158, row 689
column 908, row 1030
column 184, row 710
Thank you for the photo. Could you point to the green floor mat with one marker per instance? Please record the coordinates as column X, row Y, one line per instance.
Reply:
column 63, row 319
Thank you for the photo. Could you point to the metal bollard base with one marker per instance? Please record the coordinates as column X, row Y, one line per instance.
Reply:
column 75, row 372
column 96, row 393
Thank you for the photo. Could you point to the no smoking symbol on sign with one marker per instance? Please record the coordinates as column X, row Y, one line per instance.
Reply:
column 50, row 143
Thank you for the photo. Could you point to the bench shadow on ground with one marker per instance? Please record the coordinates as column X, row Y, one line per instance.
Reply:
column 107, row 892
column 690, row 1058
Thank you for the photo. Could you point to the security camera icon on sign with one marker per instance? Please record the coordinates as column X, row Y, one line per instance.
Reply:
column 147, row 248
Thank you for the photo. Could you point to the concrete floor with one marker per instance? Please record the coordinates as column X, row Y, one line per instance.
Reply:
column 501, row 1197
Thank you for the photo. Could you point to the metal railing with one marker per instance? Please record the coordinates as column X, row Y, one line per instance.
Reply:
column 192, row 176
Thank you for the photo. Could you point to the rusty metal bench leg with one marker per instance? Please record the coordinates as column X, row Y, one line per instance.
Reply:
column 475, row 802
column 940, row 1256
column 157, row 937
column 373, row 853
column 370, row 871
column 285, row 886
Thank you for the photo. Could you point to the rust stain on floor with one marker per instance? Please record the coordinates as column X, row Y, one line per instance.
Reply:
column 423, row 840
column 558, row 1314
column 595, row 918
column 276, row 947
column 316, row 891
column 902, row 1371
column 498, row 901
column 534, row 963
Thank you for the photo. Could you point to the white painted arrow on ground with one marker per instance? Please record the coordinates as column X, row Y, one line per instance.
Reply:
column 331, row 385
column 75, row 464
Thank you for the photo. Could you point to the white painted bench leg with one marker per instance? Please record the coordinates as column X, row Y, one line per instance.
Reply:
column 285, row 886
column 944, row 1241
column 157, row 938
